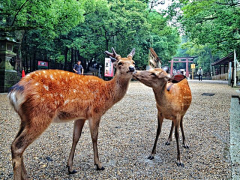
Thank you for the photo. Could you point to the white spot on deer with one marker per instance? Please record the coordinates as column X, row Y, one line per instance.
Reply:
column 56, row 102
column 61, row 95
column 36, row 84
column 51, row 77
column 13, row 98
column 65, row 102
column 44, row 72
column 45, row 76
column 74, row 90
column 46, row 87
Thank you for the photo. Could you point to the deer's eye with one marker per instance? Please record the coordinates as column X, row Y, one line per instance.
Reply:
column 120, row 63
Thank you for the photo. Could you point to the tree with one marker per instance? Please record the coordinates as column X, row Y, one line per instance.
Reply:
column 52, row 17
column 56, row 37
column 213, row 22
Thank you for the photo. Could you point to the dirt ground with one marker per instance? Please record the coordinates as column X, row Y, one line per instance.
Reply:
column 126, row 136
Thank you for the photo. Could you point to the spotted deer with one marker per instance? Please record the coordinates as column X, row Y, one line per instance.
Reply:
column 172, row 100
column 46, row 96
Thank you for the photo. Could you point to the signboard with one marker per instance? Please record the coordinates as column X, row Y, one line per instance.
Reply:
column 192, row 66
column 108, row 68
column 42, row 65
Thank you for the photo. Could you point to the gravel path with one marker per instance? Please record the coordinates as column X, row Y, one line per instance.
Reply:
column 126, row 136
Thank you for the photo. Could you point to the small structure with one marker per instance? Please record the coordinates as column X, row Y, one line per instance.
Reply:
column 220, row 68
column 8, row 76
column 224, row 69
column 181, row 60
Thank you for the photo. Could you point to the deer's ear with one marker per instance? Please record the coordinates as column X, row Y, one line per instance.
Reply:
column 162, row 75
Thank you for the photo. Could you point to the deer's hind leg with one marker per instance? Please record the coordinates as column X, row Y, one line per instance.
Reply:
column 177, row 124
column 27, row 134
column 183, row 135
column 94, row 125
column 78, row 125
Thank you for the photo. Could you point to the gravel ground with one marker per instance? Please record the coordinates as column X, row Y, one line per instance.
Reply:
column 126, row 136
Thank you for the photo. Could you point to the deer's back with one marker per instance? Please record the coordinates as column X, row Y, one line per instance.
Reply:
column 175, row 101
column 58, row 93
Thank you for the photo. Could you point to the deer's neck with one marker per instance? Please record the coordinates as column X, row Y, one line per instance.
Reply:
column 118, row 87
column 160, row 94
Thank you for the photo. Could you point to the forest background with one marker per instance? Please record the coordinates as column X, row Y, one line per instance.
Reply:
column 64, row 31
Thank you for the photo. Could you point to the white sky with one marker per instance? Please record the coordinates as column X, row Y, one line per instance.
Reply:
column 164, row 5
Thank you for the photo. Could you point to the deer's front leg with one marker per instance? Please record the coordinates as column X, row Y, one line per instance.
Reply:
column 78, row 125
column 160, row 120
column 94, row 125
column 170, row 135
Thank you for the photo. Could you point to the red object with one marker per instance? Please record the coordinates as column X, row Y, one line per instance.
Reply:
column 179, row 60
column 23, row 73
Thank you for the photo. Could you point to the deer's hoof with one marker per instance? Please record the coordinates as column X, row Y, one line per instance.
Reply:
column 186, row 146
column 167, row 143
column 151, row 157
column 72, row 172
column 180, row 164
column 69, row 170
column 100, row 169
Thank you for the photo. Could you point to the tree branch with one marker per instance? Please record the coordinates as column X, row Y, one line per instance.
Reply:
column 18, row 12
column 12, row 28
column 227, row 4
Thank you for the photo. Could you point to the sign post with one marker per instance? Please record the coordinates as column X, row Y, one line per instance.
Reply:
column 108, row 68
column 193, row 68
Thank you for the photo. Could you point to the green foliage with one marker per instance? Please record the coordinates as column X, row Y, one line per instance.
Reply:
column 52, row 17
column 213, row 22
column 165, row 39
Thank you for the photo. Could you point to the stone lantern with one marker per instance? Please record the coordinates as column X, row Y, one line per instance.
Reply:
column 8, row 76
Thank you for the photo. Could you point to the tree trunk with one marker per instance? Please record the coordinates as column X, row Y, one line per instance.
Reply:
column 26, row 64
column 34, row 61
column 72, row 58
column 65, row 54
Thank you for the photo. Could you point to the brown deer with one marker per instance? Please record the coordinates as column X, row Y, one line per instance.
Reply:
column 172, row 99
column 47, row 96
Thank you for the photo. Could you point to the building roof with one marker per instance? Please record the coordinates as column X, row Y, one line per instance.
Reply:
column 225, row 60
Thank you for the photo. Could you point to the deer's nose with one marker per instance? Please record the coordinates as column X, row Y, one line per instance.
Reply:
column 131, row 68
